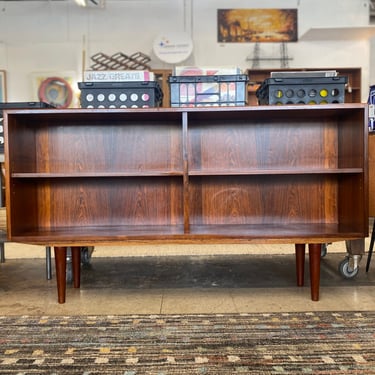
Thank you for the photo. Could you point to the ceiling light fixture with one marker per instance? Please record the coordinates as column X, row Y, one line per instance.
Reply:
column 99, row 4
column 81, row 3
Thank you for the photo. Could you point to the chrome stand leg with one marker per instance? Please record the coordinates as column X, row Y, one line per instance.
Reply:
column 48, row 263
column 2, row 253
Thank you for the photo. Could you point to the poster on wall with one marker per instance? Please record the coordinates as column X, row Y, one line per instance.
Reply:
column 55, row 89
column 257, row 25
column 173, row 47
column 3, row 86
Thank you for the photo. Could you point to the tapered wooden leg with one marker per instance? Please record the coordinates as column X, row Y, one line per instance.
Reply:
column 300, row 263
column 60, row 265
column 314, row 258
column 76, row 265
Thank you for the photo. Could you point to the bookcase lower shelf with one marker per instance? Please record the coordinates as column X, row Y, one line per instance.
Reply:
column 192, row 234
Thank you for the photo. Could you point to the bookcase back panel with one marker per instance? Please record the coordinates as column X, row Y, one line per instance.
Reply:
column 216, row 147
column 263, row 199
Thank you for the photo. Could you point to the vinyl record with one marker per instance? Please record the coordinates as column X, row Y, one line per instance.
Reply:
column 56, row 91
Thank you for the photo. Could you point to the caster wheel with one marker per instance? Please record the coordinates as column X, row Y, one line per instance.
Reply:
column 323, row 250
column 86, row 253
column 346, row 269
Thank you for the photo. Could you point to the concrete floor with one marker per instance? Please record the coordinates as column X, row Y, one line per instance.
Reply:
column 259, row 279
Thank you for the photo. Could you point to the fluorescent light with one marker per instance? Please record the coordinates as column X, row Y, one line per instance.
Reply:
column 99, row 4
column 81, row 3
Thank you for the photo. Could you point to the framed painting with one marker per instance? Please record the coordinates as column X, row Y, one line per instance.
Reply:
column 55, row 88
column 3, row 86
column 257, row 25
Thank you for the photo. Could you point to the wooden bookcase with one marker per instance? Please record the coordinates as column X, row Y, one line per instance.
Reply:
column 276, row 174
column 352, row 92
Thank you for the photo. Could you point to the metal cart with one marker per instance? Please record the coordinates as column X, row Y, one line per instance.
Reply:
column 349, row 266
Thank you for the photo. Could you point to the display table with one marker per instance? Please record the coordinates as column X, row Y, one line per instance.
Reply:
column 266, row 174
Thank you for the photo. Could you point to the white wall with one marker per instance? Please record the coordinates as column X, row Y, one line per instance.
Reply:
column 50, row 36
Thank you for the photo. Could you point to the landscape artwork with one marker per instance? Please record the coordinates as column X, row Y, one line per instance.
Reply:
column 257, row 25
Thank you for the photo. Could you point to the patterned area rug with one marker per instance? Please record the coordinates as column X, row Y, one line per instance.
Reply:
column 272, row 343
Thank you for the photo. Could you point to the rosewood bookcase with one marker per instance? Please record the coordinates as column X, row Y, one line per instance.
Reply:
column 265, row 174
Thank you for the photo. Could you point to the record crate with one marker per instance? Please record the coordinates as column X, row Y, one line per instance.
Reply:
column 208, row 90
column 302, row 90
column 143, row 94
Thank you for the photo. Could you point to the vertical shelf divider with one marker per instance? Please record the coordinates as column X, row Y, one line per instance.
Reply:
column 185, row 172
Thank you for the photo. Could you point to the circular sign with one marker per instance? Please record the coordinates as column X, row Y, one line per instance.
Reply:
column 56, row 91
column 173, row 47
